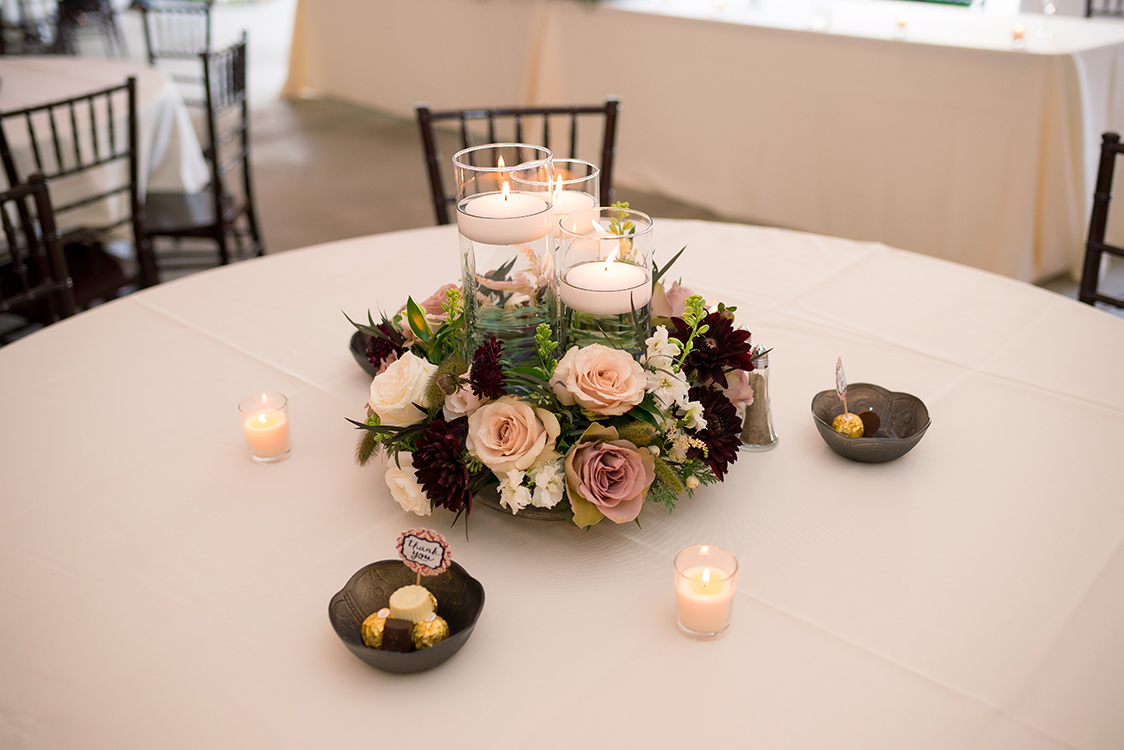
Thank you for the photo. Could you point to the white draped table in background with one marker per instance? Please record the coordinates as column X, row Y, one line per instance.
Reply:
column 947, row 142
column 158, row 589
column 169, row 155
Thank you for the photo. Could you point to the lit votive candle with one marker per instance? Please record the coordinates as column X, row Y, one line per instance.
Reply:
column 265, row 421
column 504, row 218
column 606, row 287
column 706, row 579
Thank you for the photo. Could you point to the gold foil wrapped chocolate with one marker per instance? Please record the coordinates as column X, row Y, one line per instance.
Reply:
column 372, row 627
column 430, row 631
column 848, row 424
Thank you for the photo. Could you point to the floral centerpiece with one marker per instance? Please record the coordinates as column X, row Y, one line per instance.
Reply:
column 592, row 434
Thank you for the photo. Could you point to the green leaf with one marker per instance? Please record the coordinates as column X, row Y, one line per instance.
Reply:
column 643, row 415
column 659, row 273
column 416, row 318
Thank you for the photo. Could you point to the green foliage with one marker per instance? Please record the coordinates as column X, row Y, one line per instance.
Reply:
column 693, row 315
column 667, row 475
column 658, row 273
column 638, row 433
column 545, row 346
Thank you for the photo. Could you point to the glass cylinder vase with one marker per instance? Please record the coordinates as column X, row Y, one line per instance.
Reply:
column 576, row 187
column 605, row 278
column 504, row 218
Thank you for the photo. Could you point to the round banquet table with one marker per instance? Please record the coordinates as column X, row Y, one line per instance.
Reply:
column 169, row 155
column 158, row 589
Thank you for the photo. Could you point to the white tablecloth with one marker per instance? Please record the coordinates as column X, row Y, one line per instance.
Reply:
column 947, row 142
column 158, row 589
column 170, row 157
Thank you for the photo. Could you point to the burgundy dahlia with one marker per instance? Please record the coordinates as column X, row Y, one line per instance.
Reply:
column 723, row 430
column 486, row 375
column 439, row 464
column 380, row 348
column 721, row 349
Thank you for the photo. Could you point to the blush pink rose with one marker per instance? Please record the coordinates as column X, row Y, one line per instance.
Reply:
column 508, row 434
column 738, row 390
column 599, row 379
column 611, row 475
column 672, row 302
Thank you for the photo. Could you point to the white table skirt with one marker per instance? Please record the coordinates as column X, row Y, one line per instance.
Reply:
column 169, row 157
column 158, row 589
column 948, row 142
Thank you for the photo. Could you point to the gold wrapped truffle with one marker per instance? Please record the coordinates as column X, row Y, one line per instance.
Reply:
column 848, row 424
column 430, row 631
column 372, row 628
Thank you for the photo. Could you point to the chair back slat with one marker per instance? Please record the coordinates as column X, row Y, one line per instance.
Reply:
column 1096, row 247
column 176, row 29
column 1094, row 8
column 486, row 132
column 34, row 278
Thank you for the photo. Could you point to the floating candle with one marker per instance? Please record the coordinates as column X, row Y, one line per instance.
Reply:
column 606, row 287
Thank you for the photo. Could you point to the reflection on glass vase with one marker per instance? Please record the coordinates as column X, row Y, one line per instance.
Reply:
column 507, row 262
column 604, row 279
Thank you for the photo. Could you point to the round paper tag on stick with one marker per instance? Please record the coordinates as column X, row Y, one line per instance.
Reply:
column 424, row 551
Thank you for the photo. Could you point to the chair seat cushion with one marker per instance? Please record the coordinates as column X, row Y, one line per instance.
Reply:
column 185, row 213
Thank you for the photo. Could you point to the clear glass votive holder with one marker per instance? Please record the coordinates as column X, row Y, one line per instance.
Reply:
column 504, row 218
column 265, row 420
column 706, row 580
column 605, row 278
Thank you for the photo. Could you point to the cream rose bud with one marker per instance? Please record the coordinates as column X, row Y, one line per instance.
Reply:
column 508, row 434
column 600, row 379
column 397, row 388
column 403, row 483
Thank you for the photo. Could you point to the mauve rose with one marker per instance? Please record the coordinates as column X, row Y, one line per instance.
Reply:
column 509, row 434
column 607, row 477
column 600, row 379
column 670, row 303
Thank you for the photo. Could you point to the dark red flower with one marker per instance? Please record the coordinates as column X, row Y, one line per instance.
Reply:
column 486, row 375
column 379, row 348
column 439, row 464
column 723, row 430
column 721, row 349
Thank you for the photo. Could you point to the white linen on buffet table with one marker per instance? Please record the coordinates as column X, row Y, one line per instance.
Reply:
column 948, row 142
column 169, row 154
column 158, row 589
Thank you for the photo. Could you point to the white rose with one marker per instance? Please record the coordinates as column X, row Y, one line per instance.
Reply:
column 397, row 388
column 403, row 484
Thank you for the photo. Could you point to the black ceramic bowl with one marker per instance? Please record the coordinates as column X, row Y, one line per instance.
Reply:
column 904, row 421
column 358, row 346
column 460, row 599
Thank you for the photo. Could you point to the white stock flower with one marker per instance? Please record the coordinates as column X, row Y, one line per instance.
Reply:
column 403, row 484
column 395, row 390
column 659, row 346
column 513, row 495
column 693, row 416
column 550, row 484
column 667, row 387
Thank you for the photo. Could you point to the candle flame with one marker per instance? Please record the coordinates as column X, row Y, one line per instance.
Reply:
column 612, row 256
column 706, row 575
column 506, row 190
column 499, row 164
column 262, row 419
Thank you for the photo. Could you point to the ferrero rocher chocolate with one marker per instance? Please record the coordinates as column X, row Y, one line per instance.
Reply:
column 848, row 424
column 430, row 631
column 411, row 603
column 372, row 628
